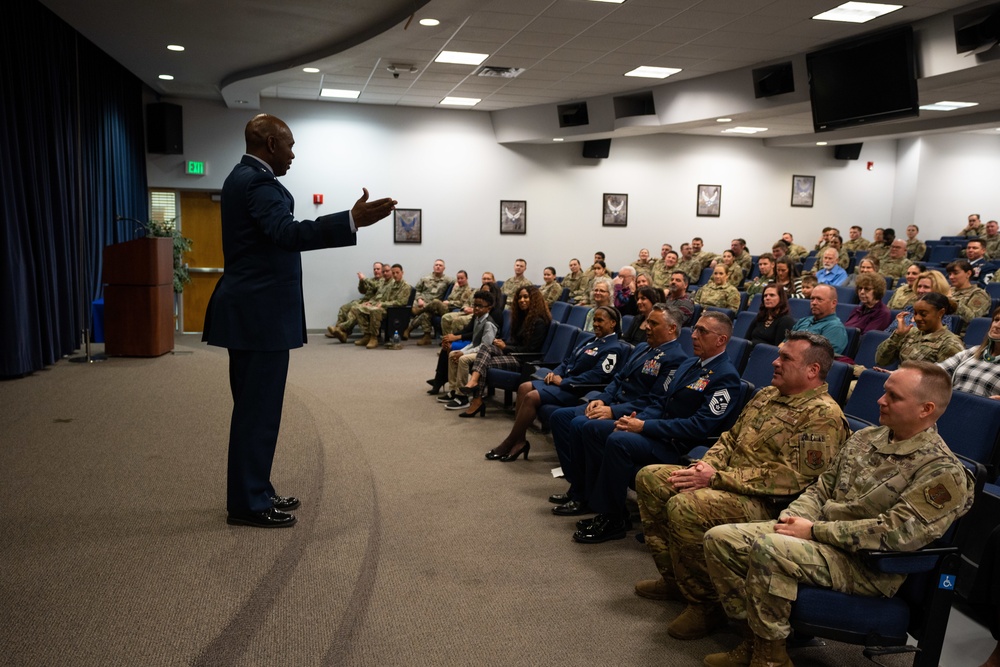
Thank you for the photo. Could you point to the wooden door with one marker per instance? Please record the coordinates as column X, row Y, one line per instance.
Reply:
column 201, row 221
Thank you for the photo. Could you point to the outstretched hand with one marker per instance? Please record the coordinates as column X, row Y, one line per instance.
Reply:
column 369, row 212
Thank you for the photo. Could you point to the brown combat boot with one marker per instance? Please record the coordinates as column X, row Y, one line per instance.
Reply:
column 426, row 340
column 372, row 342
column 335, row 332
column 660, row 588
column 364, row 340
column 770, row 653
column 406, row 334
column 739, row 656
column 697, row 620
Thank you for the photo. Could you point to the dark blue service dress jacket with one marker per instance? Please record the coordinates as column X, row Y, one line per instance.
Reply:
column 258, row 303
column 630, row 390
column 696, row 402
column 592, row 362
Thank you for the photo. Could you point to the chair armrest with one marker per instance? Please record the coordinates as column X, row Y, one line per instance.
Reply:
column 906, row 562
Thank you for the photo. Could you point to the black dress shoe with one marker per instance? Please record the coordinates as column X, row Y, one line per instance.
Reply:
column 571, row 508
column 602, row 529
column 285, row 503
column 559, row 498
column 271, row 518
column 584, row 525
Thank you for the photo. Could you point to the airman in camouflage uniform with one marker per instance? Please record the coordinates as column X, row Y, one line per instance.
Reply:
column 644, row 263
column 663, row 268
column 368, row 287
column 703, row 256
column 573, row 281
column 742, row 255
column 972, row 302
column 429, row 289
column 551, row 292
column 515, row 282
column 783, row 440
column 992, row 239
column 915, row 248
column 688, row 264
column 916, row 345
column 721, row 296
column 856, row 244
column 395, row 292
column 795, row 251
column 896, row 263
column 892, row 487
column 460, row 297
column 973, row 230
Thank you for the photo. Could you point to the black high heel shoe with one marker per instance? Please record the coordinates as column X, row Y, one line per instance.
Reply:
column 493, row 456
column 472, row 392
column 480, row 411
column 513, row 457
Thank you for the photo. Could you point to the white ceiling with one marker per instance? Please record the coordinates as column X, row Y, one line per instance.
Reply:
column 238, row 52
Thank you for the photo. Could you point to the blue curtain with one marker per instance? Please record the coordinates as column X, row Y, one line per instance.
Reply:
column 71, row 158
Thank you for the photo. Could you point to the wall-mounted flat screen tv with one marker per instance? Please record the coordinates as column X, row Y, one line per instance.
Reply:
column 865, row 80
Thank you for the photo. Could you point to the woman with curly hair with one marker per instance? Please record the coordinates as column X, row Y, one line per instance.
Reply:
column 529, row 324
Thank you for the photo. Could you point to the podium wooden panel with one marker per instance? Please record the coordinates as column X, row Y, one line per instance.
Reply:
column 139, row 298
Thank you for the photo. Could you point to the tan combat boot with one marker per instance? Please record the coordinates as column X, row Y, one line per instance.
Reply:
column 372, row 342
column 335, row 332
column 697, row 620
column 661, row 588
column 739, row 656
column 364, row 340
column 406, row 333
column 770, row 653
column 426, row 340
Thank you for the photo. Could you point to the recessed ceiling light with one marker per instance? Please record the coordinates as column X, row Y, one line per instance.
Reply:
column 340, row 94
column 311, row 70
column 462, row 101
column 857, row 12
column 821, row 143
column 723, row 120
column 948, row 106
column 653, row 72
column 430, row 23
column 561, row 139
column 461, row 58
column 167, row 77
column 174, row 47
column 745, row 130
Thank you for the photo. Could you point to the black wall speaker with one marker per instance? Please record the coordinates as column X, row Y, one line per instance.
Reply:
column 164, row 130
column 598, row 148
column 773, row 80
column 847, row 151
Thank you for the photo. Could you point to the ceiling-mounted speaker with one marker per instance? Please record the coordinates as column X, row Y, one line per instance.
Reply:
column 977, row 29
column 847, row 151
column 773, row 80
column 164, row 129
column 597, row 148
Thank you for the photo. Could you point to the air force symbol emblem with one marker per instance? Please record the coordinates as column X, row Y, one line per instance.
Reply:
column 719, row 402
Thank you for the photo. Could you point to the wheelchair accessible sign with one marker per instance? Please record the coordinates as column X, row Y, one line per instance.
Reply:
column 947, row 582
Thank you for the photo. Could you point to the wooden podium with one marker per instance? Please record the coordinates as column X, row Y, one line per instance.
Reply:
column 139, row 298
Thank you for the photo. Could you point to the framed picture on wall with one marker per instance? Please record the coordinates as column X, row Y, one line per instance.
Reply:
column 407, row 225
column 803, row 190
column 710, row 200
column 513, row 217
column 615, row 211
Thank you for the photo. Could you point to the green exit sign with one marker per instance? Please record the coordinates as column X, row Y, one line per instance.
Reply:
column 196, row 168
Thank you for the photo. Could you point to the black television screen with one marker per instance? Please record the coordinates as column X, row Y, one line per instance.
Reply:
column 866, row 80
